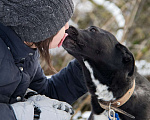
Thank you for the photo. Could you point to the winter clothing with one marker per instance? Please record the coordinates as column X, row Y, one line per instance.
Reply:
column 50, row 109
column 35, row 20
column 20, row 69
column 23, row 110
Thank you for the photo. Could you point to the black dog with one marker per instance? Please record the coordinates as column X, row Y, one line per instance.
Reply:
column 109, row 70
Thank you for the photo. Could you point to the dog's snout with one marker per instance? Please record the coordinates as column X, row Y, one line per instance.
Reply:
column 72, row 31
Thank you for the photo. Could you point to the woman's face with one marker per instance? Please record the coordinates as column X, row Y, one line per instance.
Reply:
column 59, row 37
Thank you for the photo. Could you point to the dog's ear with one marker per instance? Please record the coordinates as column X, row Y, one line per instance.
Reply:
column 127, row 58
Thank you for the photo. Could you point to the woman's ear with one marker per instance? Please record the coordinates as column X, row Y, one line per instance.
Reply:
column 127, row 58
column 30, row 44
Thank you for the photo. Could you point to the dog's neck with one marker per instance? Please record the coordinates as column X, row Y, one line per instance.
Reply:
column 119, row 102
column 106, row 82
column 101, row 91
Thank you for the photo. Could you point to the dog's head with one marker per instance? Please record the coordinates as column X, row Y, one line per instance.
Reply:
column 99, row 47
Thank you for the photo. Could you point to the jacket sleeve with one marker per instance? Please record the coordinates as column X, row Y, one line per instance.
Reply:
column 8, row 83
column 6, row 112
column 67, row 85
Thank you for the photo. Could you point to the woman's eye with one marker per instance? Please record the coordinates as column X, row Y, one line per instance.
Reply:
column 93, row 30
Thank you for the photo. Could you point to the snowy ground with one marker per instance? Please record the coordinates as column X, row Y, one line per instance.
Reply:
column 83, row 116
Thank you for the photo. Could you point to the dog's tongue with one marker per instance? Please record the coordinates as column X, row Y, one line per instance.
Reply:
column 62, row 39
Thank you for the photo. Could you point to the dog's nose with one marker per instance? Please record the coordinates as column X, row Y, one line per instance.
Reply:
column 72, row 31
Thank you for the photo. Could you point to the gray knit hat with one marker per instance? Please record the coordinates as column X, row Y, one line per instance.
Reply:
column 35, row 20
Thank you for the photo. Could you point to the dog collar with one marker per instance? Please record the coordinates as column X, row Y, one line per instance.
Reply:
column 117, row 103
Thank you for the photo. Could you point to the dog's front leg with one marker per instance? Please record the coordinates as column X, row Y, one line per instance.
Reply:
column 96, row 108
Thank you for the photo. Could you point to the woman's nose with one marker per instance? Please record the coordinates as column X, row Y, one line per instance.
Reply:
column 66, row 26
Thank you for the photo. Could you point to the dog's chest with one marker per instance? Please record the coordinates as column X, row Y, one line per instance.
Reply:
column 101, row 90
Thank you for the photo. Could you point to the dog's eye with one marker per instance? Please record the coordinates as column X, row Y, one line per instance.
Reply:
column 93, row 29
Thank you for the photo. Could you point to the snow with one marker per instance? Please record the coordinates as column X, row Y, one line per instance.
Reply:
column 81, row 116
column 143, row 67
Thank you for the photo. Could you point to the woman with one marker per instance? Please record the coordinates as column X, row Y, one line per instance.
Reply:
column 26, row 27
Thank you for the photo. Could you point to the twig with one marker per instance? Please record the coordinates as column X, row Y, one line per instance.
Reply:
column 130, row 20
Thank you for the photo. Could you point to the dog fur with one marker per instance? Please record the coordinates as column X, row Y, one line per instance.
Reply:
column 109, row 70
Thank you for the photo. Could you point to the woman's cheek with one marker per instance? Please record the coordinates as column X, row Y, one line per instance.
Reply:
column 54, row 43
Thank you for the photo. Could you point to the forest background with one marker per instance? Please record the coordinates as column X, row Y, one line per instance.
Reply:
column 128, row 20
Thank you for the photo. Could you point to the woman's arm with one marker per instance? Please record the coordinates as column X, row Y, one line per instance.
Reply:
column 6, row 112
column 67, row 85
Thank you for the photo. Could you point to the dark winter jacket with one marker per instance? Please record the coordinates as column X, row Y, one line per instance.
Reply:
column 20, row 69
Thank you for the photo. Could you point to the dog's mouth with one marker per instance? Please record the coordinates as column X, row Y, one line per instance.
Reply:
column 69, row 43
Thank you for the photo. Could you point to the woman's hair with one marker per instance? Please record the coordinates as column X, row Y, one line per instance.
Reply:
column 43, row 47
